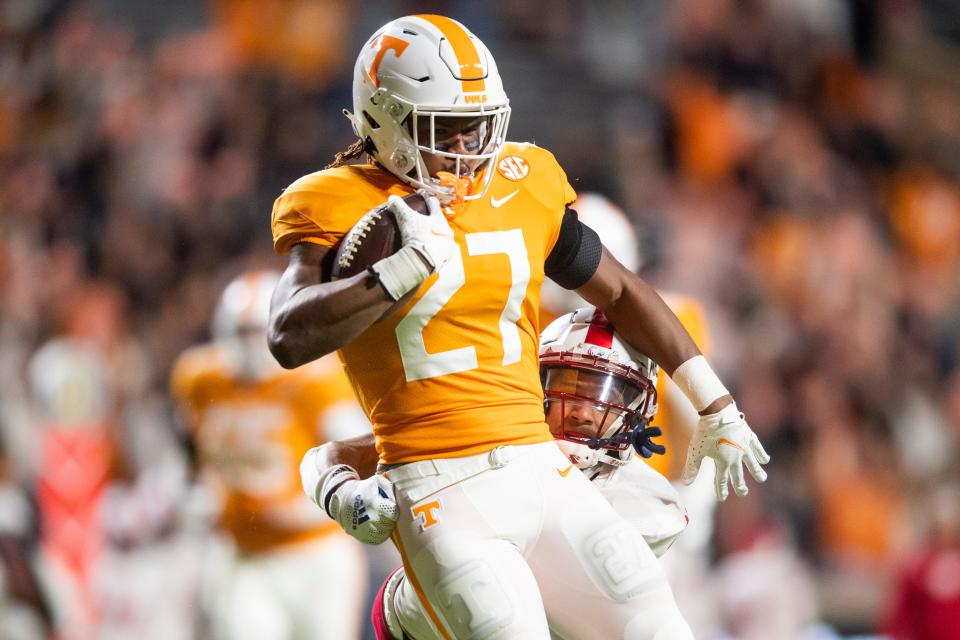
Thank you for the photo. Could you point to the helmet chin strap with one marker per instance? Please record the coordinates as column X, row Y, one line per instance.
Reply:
column 606, row 443
column 625, row 436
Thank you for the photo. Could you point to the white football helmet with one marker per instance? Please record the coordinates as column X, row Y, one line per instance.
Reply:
column 240, row 323
column 414, row 71
column 597, row 389
column 616, row 233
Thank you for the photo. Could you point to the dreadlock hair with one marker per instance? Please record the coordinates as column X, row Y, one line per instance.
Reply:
column 354, row 151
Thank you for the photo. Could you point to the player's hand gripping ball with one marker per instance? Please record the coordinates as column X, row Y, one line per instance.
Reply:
column 375, row 236
column 402, row 242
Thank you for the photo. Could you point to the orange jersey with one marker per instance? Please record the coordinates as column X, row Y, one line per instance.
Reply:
column 252, row 435
column 671, row 418
column 454, row 372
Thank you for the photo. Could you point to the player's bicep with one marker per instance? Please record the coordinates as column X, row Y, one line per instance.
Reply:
column 576, row 254
column 308, row 266
column 607, row 283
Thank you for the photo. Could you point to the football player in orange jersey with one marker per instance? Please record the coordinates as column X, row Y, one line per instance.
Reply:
column 599, row 398
column 450, row 379
column 296, row 572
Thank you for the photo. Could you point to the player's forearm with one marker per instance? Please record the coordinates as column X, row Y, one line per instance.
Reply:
column 318, row 319
column 639, row 314
column 359, row 452
column 649, row 325
column 660, row 334
column 669, row 341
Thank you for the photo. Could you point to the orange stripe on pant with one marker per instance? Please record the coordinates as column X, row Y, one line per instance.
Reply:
column 408, row 568
column 471, row 69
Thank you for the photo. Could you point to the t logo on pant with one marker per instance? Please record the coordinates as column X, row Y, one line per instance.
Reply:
column 425, row 514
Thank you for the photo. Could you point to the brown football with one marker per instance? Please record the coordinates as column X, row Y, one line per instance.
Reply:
column 373, row 237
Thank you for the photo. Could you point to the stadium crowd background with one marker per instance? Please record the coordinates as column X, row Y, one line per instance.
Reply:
column 793, row 164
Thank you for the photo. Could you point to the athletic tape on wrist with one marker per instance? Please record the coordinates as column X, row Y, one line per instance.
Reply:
column 332, row 476
column 401, row 272
column 698, row 382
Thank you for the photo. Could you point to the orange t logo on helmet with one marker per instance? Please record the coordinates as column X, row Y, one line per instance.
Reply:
column 383, row 44
column 437, row 69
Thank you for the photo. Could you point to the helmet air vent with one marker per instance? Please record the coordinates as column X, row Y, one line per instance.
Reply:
column 373, row 123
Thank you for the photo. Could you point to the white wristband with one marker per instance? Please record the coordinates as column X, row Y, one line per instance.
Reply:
column 401, row 272
column 315, row 468
column 310, row 474
column 698, row 382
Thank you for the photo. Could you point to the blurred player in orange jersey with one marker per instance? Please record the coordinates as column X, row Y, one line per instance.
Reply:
column 450, row 380
column 296, row 575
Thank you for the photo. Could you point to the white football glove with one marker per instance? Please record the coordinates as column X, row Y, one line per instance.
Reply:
column 427, row 244
column 364, row 508
column 726, row 437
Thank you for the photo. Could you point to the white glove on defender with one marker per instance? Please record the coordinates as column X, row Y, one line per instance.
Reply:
column 725, row 437
column 364, row 508
column 427, row 245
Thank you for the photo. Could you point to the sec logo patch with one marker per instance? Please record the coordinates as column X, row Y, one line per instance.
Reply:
column 513, row 168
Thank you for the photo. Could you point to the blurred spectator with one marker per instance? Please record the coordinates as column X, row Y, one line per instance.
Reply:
column 926, row 598
column 764, row 590
column 24, row 607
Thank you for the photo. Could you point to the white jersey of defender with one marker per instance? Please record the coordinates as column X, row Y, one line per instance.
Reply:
column 646, row 500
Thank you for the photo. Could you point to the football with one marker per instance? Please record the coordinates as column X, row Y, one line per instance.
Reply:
column 374, row 236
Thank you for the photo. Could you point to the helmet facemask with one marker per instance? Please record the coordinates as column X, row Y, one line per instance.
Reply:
column 452, row 175
column 595, row 404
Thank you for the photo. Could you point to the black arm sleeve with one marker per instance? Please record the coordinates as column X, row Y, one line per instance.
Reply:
column 576, row 255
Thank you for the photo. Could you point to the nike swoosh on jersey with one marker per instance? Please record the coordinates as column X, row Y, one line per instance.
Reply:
column 728, row 442
column 496, row 204
column 563, row 474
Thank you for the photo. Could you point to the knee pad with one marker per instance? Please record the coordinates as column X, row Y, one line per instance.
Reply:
column 619, row 562
column 474, row 602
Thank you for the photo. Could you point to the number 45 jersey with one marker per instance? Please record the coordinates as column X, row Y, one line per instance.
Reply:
column 250, row 434
column 454, row 372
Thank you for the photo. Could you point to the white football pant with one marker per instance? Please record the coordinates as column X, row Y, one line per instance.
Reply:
column 498, row 543
column 314, row 590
